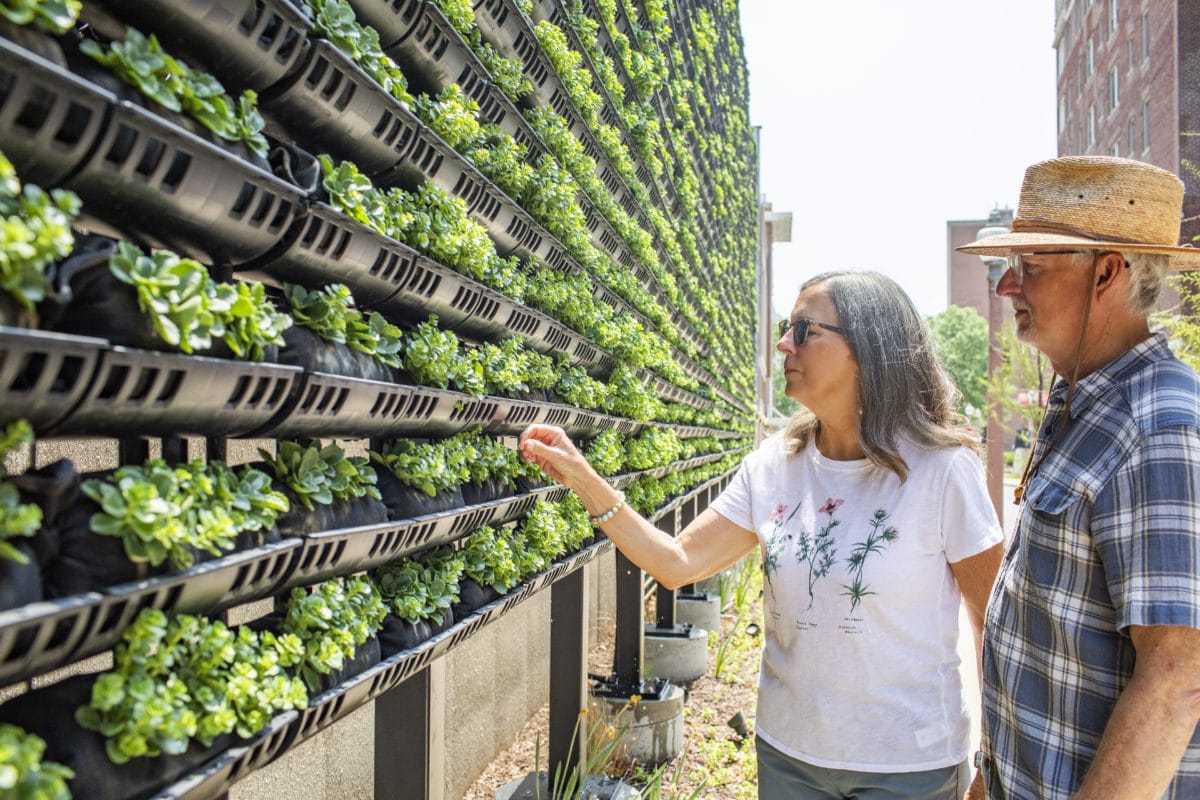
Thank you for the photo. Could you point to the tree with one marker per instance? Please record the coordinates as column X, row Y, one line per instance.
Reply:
column 1020, row 385
column 1182, row 324
column 960, row 338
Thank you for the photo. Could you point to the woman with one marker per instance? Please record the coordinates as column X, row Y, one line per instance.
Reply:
column 873, row 520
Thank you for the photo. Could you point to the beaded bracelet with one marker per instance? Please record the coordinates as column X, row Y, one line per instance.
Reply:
column 612, row 512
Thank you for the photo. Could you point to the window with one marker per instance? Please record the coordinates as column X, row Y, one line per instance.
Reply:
column 1114, row 88
column 1091, row 130
column 1112, row 17
column 1132, row 137
column 1129, row 53
column 1146, row 36
column 1090, row 60
column 1116, row 149
column 1145, row 125
column 1062, row 115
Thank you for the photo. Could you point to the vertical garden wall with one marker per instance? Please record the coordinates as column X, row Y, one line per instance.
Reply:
column 280, row 282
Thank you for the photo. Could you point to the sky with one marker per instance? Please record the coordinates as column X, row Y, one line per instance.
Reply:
column 881, row 120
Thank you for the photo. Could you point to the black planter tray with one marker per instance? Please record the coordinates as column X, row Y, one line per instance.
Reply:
column 325, row 246
column 215, row 585
column 391, row 672
column 704, row 492
column 333, row 107
column 39, row 637
column 44, row 375
column 213, row 779
column 150, row 179
column 49, row 118
column 140, row 393
column 246, row 44
column 337, row 406
column 330, row 554
column 392, row 19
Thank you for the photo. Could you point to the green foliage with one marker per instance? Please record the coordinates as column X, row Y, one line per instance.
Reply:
column 466, row 456
column 1183, row 324
column 422, row 587
column 606, row 452
column 317, row 474
column 54, row 16
column 653, row 447
column 16, row 518
column 185, row 678
column 35, row 232
column 23, row 773
column 1024, row 378
column 489, row 560
column 335, row 19
column 960, row 338
column 431, row 354
column 331, row 622
column 188, row 308
column 330, row 313
column 139, row 60
column 162, row 512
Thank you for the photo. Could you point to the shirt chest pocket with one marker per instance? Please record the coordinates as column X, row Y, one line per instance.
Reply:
column 1054, row 540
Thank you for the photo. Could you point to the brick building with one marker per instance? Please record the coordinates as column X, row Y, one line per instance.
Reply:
column 1129, row 85
column 966, row 277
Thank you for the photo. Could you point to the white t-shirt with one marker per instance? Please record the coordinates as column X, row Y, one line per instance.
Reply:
column 860, row 661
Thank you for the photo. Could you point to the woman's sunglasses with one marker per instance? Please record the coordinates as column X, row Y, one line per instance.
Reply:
column 800, row 328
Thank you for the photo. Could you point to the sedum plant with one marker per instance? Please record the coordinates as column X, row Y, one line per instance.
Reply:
column 606, row 452
column 320, row 475
column 23, row 773
column 330, row 623
column 186, row 678
column 53, row 16
column 35, row 232
column 488, row 559
column 422, row 587
column 330, row 313
column 189, row 309
column 140, row 61
column 162, row 512
column 16, row 518
column 335, row 20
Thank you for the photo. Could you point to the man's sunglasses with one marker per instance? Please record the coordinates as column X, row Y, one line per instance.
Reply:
column 1016, row 261
column 800, row 328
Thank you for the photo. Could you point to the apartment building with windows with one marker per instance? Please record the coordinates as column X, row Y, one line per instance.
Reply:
column 1129, row 85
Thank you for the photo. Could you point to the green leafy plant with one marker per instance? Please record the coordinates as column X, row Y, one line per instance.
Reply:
column 422, row 587
column 16, row 518
column 331, row 622
column 321, row 474
column 35, row 232
column 23, row 773
column 162, row 512
column 187, row 678
column 55, row 16
column 335, row 19
column 330, row 313
column 653, row 447
column 188, row 308
column 606, row 452
column 489, row 560
column 140, row 61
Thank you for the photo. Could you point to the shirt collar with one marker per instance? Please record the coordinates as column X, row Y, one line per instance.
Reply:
column 1092, row 388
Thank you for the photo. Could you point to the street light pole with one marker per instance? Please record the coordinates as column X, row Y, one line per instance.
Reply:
column 994, row 423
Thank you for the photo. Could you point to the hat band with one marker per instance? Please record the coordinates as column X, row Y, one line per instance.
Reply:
column 1038, row 226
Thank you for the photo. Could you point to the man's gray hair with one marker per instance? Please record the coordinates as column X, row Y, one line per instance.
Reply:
column 1147, row 277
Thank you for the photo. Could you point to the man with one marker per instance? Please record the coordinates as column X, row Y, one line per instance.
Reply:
column 1091, row 684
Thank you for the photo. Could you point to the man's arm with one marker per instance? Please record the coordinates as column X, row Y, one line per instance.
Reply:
column 1153, row 720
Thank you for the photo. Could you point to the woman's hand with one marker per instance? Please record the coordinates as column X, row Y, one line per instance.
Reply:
column 551, row 449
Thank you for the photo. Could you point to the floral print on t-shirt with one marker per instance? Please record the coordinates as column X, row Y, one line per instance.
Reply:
column 819, row 550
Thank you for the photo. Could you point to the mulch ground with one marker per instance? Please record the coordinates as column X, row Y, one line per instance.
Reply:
column 716, row 762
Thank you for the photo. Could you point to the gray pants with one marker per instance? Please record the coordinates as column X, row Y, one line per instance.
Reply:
column 781, row 777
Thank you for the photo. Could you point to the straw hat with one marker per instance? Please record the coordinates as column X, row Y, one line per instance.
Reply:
column 1096, row 203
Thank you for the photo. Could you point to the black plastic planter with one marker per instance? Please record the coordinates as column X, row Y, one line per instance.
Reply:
column 393, row 19
column 140, row 393
column 49, row 118
column 149, row 179
column 246, row 44
column 333, row 107
column 44, row 375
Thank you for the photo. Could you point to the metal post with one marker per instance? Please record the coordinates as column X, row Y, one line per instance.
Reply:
column 174, row 449
column 134, row 450
column 664, row 598
column 410, row 738
column 568, row 674
column 627, row 649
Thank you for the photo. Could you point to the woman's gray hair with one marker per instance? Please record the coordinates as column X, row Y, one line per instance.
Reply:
column 1147, row 277
column 902, row 386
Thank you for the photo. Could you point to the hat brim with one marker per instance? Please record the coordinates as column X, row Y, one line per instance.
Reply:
column 1181, row 258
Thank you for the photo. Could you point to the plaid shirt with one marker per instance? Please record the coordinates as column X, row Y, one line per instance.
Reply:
column 1108, row 537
